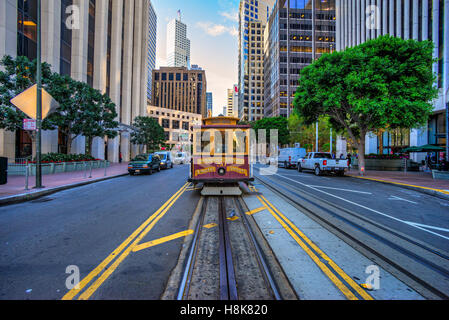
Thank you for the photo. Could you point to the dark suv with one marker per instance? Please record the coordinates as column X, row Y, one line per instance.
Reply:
column 144, row 163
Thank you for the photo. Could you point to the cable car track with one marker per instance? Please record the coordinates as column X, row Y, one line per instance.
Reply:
column 337, row 219
column 235, row 266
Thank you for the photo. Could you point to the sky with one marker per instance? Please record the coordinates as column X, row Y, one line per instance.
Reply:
column 212, row 27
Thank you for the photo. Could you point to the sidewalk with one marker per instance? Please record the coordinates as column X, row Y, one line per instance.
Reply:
column 55, row 182
column 420, row 181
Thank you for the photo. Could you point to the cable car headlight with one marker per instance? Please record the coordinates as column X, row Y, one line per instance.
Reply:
column 221, row 171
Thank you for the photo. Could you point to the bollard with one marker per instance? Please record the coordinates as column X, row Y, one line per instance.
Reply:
column 105, row 167
column 26, row 176
column 85, row 169
column 90, row 175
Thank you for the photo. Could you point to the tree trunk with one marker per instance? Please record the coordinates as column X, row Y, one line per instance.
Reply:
column 69, row 143
column 361, row 147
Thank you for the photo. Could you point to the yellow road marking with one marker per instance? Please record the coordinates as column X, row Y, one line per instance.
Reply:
column 256, row 211
column 88, row 293
column 73, row 292
column 233, row 218
column 210, row 225
column 314, row 257
column 162, row 240
column 402, row 184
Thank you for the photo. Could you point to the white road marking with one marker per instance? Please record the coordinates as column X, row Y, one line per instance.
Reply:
column 340, row 189
column 429, row 227
column 372, row 210
column 394, row 198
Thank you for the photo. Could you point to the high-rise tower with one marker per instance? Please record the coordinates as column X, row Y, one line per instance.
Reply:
column 178, row 45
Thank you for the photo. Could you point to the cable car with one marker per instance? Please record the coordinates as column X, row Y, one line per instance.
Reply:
column 221, row 152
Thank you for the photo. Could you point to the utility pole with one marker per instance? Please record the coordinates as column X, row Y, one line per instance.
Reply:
column 331, row 142
column 313, row 59
column 39, row 101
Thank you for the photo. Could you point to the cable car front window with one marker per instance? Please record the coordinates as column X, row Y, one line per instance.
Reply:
column 220, row 142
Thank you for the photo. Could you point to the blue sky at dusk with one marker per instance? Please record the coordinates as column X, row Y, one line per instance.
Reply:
column 212, row 27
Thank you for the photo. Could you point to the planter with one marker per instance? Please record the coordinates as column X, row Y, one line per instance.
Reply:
column 52, row 168
column 441, row 175
column 387, row 165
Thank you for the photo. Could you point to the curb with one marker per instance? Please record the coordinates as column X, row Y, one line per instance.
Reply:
column 24, row 197
column 424, row 190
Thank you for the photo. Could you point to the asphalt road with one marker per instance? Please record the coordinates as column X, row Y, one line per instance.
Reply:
column 83, row 226
column 420, row 216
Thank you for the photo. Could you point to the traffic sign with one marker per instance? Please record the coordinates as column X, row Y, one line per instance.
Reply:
column 27, row 101
column 29, row 124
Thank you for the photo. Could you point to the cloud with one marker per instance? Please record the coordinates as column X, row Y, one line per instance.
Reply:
column 233, row 16
column 215, row 30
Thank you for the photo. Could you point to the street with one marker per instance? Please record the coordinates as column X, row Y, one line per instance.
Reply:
column 125, row 236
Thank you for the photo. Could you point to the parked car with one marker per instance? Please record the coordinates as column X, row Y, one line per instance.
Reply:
column 144, row 163
column 321, row 162
column 166, row 159
column 181, row 158
column 289, row 157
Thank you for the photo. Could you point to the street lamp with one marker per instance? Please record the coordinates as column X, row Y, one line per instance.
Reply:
column 39, row 102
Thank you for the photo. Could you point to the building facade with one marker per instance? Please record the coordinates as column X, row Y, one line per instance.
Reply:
column 233, row 98
column 360, row 21
column 101, row 42
column 253, row 16
column 293, row 39
column 178, row 125
column 180, row 89
column 178, row 45
column 152, row 33
column 209, row 104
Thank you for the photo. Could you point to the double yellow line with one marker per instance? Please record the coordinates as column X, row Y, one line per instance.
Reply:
column 317, row 255
column 122, row 251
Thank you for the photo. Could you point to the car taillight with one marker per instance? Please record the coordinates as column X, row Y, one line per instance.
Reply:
column 289, row 159
column 325, row 163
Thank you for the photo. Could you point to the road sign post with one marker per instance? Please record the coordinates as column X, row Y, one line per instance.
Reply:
column 39, row 102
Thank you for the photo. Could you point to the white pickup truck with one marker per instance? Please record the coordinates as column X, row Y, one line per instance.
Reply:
column 321, row 162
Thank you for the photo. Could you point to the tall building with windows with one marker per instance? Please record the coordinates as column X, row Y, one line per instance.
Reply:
column 233, row 98
column 253, row 16
column 293, row 38
column 152, row 33
column 101, row 42
column 180, row 89
column 360, row 21
column 178, row 45
column 209, row 103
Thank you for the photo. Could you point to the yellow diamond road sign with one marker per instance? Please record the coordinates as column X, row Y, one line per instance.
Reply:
column 27, row 101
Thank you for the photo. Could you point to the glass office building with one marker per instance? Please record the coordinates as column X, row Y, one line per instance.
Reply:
column 291, row 45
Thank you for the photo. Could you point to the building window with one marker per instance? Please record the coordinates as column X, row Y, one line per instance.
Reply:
column 27, row 29
column 65, row 65
column 91, row 44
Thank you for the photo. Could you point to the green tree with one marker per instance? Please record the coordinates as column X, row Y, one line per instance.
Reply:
column 147, row 132
column 306, row 134
column 98, row 118
column 276, row 123
column 384, row 83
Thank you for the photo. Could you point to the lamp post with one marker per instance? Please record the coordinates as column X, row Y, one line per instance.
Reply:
column 39, row 102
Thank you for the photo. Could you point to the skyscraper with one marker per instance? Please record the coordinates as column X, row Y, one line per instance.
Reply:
column 152, row 32
column 178, row 45
column 209, row 103
column 253, row 15
column 233, row 98
column 181, row 89
column 292, row 40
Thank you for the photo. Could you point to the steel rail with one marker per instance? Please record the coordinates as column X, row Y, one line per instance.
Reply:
column 259, row 254
column 188, row 271
column 228, row 286
column 363, row 229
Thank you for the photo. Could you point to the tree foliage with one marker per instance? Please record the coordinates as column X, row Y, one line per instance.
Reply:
column 383, row 83
column 306, row 134
column 147, row 132
column 83, row 111
column 277, row 123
